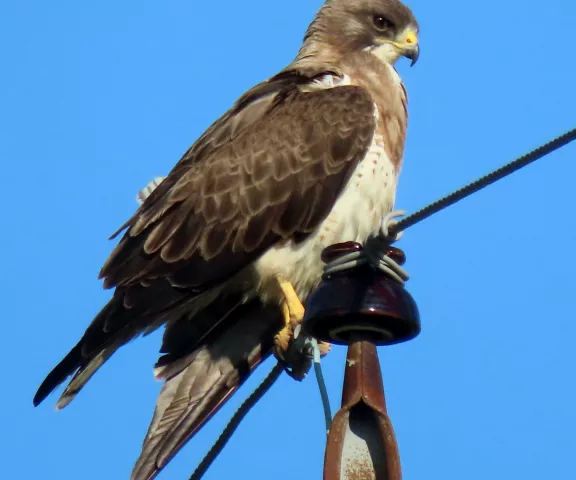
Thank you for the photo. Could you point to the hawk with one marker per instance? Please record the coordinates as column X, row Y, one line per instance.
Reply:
column 226, row 249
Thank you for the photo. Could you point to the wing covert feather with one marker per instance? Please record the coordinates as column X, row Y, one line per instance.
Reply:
column 223, row 205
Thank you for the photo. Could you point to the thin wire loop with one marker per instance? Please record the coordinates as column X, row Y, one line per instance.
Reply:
column 374, row 252
column 321, row 385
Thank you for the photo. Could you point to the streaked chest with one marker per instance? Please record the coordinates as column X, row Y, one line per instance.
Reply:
column 368, row 195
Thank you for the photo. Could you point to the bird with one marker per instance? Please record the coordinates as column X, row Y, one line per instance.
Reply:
column 225, row 250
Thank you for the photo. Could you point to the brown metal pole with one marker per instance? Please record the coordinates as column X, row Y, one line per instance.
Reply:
column 361, row 442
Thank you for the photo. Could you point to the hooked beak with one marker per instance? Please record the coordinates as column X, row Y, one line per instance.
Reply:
column 408, row 45
column 412, row 53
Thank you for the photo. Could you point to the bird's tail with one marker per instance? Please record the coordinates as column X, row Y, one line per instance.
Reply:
column 211, row 344
column 198, row 383
column 129, row 313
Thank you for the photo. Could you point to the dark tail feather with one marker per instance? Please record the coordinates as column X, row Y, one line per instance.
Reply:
column 69, row 364
column 129, row 313
column 86, row 371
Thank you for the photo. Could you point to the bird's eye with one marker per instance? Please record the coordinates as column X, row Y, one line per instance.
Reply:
column 382, row 23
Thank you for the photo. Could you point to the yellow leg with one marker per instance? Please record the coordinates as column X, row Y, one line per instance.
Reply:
column 293, row 312
column 294, row 309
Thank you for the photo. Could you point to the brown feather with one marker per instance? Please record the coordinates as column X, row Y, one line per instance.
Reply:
column 203, row 380
column 311, row 135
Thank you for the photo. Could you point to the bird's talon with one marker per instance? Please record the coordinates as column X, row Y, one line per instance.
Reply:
column 282, row 340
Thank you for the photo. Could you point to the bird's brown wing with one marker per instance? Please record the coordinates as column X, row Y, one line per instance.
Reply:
column 285, row 161
column 270, row 169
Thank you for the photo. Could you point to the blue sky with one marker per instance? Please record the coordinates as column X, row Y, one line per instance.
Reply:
column 97, row 98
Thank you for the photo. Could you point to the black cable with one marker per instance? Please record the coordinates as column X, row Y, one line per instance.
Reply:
column 235, row 421
column 485, row 181
column 406, row 222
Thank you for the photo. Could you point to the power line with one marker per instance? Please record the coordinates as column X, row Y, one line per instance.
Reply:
column 235, row 421
column 486, row 180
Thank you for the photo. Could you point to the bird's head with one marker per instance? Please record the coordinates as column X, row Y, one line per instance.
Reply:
column 386, row 28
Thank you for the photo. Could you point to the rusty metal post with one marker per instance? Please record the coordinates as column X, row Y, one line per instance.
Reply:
column 361, row 444
column 362, row 308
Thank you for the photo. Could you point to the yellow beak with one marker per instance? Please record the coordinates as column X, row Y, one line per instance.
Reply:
column 408, row 44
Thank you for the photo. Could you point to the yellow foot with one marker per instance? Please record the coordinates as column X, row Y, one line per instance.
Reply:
column 293, row 312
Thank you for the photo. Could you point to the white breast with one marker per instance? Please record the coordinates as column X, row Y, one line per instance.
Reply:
column 368, row 195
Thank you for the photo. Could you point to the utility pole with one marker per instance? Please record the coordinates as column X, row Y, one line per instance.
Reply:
column 362, row 308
